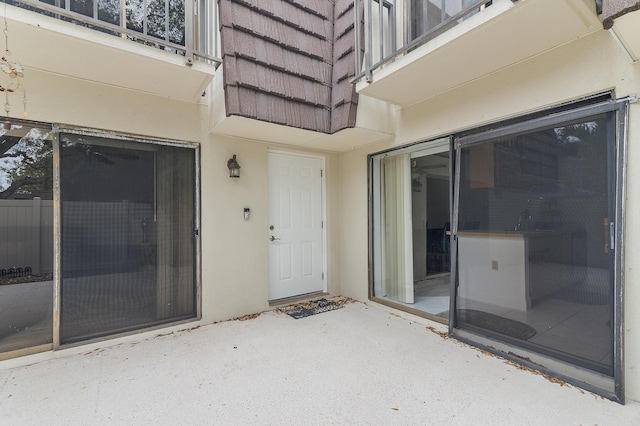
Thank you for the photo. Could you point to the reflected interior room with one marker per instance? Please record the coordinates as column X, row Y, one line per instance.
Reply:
column 536, row 268
column 431, row 226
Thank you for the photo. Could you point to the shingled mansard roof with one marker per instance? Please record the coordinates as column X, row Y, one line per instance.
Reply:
column 290, row 62
column 612, row 9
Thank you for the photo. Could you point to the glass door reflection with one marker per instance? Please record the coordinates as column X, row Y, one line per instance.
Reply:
column 534, row 261
column 26, row 237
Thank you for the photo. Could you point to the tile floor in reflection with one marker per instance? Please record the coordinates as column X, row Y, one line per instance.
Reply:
column 576, row 329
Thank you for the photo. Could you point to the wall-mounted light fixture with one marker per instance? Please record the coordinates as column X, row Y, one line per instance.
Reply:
column 234, row 167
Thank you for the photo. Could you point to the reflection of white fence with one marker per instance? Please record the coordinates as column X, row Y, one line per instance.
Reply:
column 26, row 235
column 104, row 237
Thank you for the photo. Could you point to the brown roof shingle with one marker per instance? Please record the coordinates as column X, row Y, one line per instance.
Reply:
column 290, row 62
column 612, row 9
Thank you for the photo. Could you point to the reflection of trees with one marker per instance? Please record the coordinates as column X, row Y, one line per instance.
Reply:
column 110, row 11
column 26, row 164
column 583, row 146
column 575, row 133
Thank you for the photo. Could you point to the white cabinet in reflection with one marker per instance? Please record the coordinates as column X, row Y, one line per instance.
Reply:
column 514, row 269
column 493, row 269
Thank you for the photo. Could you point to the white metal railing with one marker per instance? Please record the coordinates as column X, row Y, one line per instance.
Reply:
column 185, row 27
column 394, row 27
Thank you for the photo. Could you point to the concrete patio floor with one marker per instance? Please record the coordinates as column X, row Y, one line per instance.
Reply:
column 362, row 364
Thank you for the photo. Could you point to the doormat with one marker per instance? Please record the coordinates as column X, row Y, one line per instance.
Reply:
column 306, row 309
column 497, row 324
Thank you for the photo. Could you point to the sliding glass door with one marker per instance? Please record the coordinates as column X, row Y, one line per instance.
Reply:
column 538, row 212
column 110, row 249
column 128, row 235
column 526, row 259
column 411, row 228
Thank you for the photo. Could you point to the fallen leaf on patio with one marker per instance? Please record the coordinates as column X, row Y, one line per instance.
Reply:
column 442, row 334
column 248, row 317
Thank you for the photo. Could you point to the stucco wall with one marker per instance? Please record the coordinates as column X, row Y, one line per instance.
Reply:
column 56, row 99
column 590, row 65
column 234, row 251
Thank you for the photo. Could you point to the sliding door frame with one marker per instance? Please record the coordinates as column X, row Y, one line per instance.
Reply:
column 572, row 374
column 373, row 172
column 57, row 220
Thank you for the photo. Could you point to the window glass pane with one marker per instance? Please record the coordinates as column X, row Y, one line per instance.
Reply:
column 411, row 228
column 83, row 7
column 533, row 241
column 176, row 22
column 135, row 15
column 156, row 18
column 26, row 237
column 127, row 235
column 110, row 11
column 426, row 15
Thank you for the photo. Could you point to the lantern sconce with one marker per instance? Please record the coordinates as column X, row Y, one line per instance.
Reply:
column 234, row 167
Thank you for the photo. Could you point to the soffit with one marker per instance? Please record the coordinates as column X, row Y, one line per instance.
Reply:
column 344, row 140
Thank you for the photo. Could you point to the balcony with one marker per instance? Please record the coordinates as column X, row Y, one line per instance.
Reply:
column 161, row 47
column 417, row 49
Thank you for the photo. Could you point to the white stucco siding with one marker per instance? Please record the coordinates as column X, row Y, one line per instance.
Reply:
column 234, row 251
column 590, row 65
column 56, row 99
column 235, row 268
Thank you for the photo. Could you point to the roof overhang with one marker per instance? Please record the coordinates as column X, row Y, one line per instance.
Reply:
column 374, row 123
column 256, row 130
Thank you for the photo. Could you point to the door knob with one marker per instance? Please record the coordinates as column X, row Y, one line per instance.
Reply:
column 273, row 238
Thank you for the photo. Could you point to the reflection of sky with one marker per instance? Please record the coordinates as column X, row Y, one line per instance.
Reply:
column 561, row 132
column 12, row 163
column 4, row 183
column 4, row 164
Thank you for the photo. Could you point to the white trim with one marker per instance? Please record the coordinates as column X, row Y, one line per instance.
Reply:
column 625, row 48
column 434, row 147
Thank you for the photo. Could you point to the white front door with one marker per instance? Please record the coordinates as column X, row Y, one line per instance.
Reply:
column 295, row 225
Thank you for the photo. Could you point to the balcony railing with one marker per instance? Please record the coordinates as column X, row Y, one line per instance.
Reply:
column 184, row 27
column 394, row 27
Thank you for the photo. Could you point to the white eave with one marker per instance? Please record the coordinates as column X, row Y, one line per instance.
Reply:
column 344, row 140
